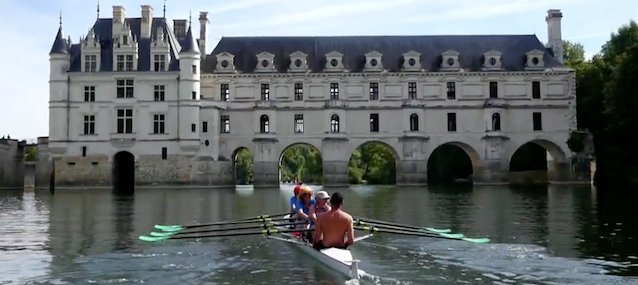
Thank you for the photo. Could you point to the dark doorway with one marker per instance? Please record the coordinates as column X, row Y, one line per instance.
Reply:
column 449, row 164
column 123, row 172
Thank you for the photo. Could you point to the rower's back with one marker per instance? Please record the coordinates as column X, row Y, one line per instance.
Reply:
column 335, row 225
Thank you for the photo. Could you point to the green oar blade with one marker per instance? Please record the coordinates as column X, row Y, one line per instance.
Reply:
column 438, row 231
column 477, row 240
column 164, row 234
column 169, row 228
column 152, row 239
column 457, row 236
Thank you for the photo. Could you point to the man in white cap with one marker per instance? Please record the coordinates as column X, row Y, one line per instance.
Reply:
column 320, row 207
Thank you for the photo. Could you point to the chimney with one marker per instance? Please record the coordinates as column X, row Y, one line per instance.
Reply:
column 179, row 28
column 119, row 14
column 203, row 29
column 147, row 21
column 554, row 36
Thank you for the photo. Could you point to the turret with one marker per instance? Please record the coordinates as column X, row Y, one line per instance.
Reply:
column 554, row 35
column 189, row 74
column 59, row 61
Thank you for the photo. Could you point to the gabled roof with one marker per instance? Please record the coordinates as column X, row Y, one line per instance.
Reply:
column 470, row 47
column 103, row 31
column 59, row 44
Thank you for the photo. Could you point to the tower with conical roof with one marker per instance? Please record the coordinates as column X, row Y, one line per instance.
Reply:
column 59, row 62
column 189, row 76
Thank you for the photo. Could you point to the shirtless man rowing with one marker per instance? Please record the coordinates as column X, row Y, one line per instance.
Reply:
column 334, row 226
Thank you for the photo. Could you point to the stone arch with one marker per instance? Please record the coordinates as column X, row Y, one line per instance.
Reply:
column 288, row 147
column 123, row 172
column 238, row 176
column 470, row 152
column 556, row 167
column 393, row 151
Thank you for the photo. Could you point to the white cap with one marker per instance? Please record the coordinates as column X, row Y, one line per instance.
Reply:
column 322, row 195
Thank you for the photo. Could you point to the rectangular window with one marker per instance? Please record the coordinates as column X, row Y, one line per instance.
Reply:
column 129, row 62
column 194, row 95
column 89, row 125
column 159, row 62
column 125, row 40
column 298, row 91
column 90, row 63
column 164, row 153
column 538, row 121
column 374, row 123
column 158, row 123
column 194, row 69
column 334, row 91
column 84, row 151
column 124, row 121
column 193, row 128
column 536, row 89
column 225, row 124
column 204, row 127
column 119, row 62
column 158, row 92
column 298, row 123
column 451, row 122
column 412, row 90
column 225, row 92
column 89, row 93
column 451, row 90
column 125, row 88
column 493, row 89
column 374, row 91
column 265, row 92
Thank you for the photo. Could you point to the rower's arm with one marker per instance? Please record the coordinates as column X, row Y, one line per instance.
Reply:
column 312, row 215
column 302, row 215
column 316, row 235
column 350, row 234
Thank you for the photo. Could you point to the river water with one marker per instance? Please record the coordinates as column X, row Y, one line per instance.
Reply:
column 547, row 235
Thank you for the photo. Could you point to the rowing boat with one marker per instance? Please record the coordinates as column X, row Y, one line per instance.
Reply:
column 340, row 260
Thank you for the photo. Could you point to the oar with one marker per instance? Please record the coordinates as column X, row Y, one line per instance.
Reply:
column 421, row 230
column 429, row 229
column 422, row 234
column 264, row 226
column 266, row 232
column 177, row 228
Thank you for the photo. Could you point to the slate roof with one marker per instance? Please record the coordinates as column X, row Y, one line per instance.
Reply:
column 59, row 44
column 189, row 44
column 103, row 31
column 354, row 48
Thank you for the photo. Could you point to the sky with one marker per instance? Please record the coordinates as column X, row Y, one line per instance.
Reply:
column 29, row 27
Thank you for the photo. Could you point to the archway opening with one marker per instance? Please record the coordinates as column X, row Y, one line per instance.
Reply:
column 373, row 163
column 529, row 165
column 124, row 172
column 243, row 166
column 301, row 162
column 449, row 164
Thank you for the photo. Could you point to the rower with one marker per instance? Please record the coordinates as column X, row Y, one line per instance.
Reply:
column 294, row 198
column 304, row 203
column 321, row 207
column 334, row 226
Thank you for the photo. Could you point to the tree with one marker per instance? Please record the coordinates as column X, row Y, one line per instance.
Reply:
column 573, row 54
column 244, row 166
column 625, row 38
column 31, row 153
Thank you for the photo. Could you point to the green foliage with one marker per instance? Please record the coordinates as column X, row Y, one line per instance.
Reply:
column 372, row 163
column 31, row 153
column 625, row 38
column 573, row 54
column 302, row 162
column 244, row 167
column 576, row 141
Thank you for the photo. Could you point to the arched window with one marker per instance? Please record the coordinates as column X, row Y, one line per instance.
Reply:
column 414, row 122
column 334, row 123
column 264, row 124
column 496, row 122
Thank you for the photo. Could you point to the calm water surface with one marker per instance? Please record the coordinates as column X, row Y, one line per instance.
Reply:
column 550, row 235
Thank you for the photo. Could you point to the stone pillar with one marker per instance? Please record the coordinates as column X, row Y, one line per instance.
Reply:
column 266, row 162
column 494, row 167
column 336, row 157
column 412, row 168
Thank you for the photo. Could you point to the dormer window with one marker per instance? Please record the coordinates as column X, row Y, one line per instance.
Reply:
column 265, row 62
column 535, row 60
column 492, row 60
column 225, row 62
column 298, row 61
column 90, row 52
column 411, row 61
column 334, row 61
column 373, row 61
column 450, row 61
